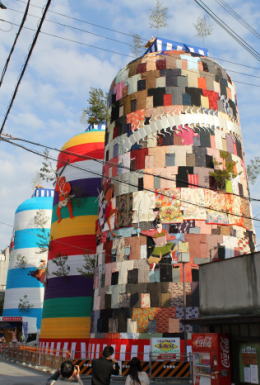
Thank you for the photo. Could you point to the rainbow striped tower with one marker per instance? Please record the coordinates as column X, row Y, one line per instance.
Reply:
column 25, row 283
column 69, row 290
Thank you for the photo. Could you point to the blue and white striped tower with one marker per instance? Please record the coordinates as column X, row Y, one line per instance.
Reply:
column 29, row 253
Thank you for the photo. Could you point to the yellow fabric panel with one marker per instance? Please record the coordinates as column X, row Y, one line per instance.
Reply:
column 69, row 327
column 85, row 137
column 69, row 227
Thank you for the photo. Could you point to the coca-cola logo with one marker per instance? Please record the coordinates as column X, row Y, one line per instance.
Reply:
column 203, row 342
column 224, row 352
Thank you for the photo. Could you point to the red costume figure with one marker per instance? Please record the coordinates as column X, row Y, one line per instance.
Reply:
column 64, row 189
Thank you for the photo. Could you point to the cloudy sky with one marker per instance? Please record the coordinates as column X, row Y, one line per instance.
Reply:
column 92, row 42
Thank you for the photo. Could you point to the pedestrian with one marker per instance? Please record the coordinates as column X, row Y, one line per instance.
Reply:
column 68, row 371
column 136, row 376
column 104, row 367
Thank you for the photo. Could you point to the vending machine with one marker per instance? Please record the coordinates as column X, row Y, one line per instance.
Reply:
column 211, row 359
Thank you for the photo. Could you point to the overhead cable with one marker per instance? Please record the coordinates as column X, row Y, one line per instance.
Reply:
column 120, row 53
column 130, row 35
column 129, row 183
column 238, row 17
column 14, row 43
column 232, row 33
column 121, row 166
column 25, row 64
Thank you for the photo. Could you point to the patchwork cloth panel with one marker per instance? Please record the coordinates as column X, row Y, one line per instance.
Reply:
column 68, row 299
column 174, row 193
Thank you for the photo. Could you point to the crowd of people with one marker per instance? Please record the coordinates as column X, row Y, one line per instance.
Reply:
column 102, row 369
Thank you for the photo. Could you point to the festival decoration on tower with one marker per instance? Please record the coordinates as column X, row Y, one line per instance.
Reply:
column 175, row 195
column 72, row 255
column 28, row 258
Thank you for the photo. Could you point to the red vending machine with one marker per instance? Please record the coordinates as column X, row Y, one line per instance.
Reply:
column 211, row 359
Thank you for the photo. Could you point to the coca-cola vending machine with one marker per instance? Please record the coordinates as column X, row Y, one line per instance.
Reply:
column 211, row 359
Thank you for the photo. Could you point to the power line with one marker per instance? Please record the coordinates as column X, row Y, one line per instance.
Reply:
column 84, row 21
column 87, row 157
column 237, row 17
column 25, row 64
column 131, row 35
column 74, row 41
column 130, row 184
column 15, row 41
column 128, row 44
column 6, row 224
column 232, row 33
column 119, row 53
column 75, row 28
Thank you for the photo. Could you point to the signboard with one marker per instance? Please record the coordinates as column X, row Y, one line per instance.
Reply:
column 11, row 319
column 249, row 359
column 165, row 348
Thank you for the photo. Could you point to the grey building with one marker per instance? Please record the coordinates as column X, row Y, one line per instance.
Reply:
column 230, row 304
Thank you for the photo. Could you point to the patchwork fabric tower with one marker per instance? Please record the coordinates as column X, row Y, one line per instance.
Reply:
column 26, row 274
column 175, row 195
column 69, row 288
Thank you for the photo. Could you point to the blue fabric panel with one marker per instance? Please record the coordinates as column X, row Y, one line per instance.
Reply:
column 21, row 278
column 29, row 238
column 36, row 203
column 30, row 313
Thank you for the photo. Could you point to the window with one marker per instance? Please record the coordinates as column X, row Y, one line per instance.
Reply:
column 133, row 105
column 169, row 160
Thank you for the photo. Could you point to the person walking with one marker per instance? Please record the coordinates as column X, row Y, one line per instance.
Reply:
column 104, row 367
column 68, row 371
column 136, row 376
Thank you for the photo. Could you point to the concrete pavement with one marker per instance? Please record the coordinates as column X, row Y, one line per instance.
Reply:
column 14, row 374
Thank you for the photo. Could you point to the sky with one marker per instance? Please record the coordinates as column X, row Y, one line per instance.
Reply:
column 63, row 68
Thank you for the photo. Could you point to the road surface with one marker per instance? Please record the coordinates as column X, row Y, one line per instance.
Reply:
column 12, row 374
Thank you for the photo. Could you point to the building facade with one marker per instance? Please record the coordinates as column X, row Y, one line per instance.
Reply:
column 174, row 196
column 69, row 286
column 28, row 257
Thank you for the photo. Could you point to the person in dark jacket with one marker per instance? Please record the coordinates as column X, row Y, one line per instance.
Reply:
column 104, row 367
column 68, row 371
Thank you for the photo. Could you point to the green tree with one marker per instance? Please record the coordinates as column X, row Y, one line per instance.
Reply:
column 97, row 110
column 226, row 172
column 158, row 16
column 47, row 171
column 253, row 169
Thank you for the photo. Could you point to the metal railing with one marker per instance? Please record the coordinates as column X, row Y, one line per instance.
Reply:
column 174, row 366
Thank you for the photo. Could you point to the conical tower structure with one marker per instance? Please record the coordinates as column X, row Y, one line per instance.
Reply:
column 69, row 286
column 175, row 195
column 26, row 273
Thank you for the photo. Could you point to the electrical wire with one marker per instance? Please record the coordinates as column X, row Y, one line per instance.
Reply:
column 232, row 33
column 119, row 41
column 74, row 28
column 131, row 35
column 75, row 41
column 122, row 54
column 130, row 184
column 25, row 13
column 87, row 157
column 25, row 64
column 6, row 224
column 85, row 21
column 237, row 17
